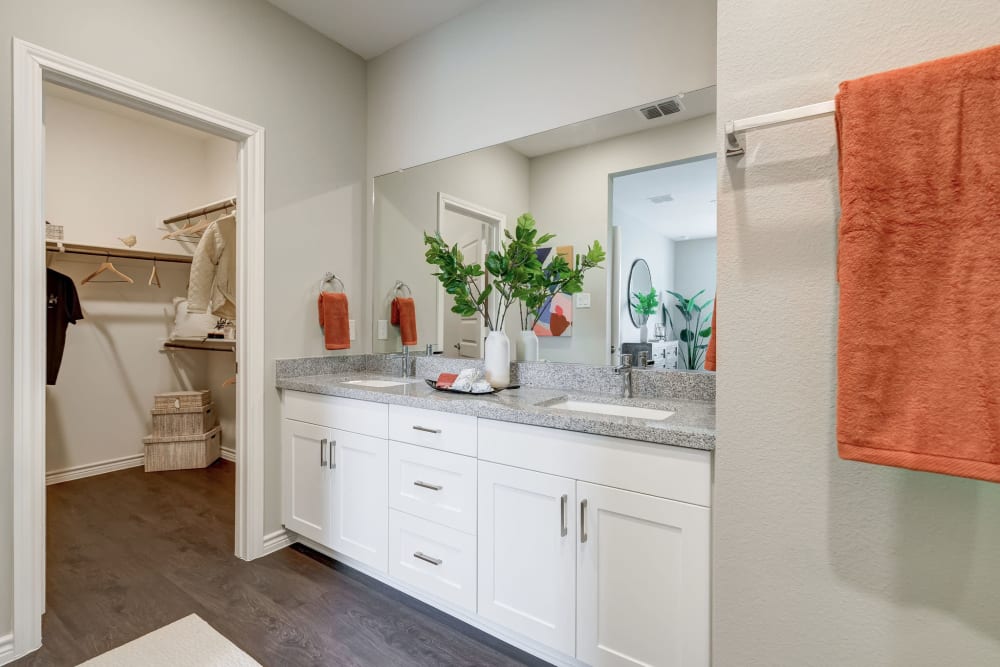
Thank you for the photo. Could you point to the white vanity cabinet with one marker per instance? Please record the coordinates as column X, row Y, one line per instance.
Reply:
column 334, row 482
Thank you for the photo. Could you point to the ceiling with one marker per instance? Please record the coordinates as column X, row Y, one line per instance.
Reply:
column 372, row 27
column 690, row 212
column 696, row 103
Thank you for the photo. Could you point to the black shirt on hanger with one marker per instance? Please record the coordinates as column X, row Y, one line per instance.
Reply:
column 63, row 309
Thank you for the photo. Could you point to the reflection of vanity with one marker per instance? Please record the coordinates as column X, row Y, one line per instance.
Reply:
column 665, row 353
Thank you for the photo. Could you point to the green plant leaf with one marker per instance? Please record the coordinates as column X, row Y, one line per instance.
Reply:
column 706, row 332
column 685, row 335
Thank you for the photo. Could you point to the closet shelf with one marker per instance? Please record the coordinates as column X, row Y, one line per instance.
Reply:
column 208, row 344
column 119, row 253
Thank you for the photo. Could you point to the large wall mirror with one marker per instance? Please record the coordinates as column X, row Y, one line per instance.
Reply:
column 641, row 181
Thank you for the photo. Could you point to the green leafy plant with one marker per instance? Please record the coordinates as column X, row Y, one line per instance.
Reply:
column 645, row 304
column 505, row 272
column 544, row 282
column 697, row 327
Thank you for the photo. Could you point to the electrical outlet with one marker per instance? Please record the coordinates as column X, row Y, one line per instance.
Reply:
column 383, row 330
column 354, row 334
column 583, row 300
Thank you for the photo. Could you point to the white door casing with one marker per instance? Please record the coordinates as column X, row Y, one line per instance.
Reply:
column 32, row 65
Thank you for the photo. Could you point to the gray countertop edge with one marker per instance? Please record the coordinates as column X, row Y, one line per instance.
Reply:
column 530, row 413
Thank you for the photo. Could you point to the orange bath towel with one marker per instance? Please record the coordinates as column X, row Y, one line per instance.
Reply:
column 335, row 320
column 918, row 357
column 404, row 314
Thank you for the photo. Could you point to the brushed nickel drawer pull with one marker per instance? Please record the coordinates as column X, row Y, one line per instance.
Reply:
column 425, row 429
column 427, row 559
column 583, row 520
column 333, row 454
column 563, row 528
column 427, row 485
column 322, row 453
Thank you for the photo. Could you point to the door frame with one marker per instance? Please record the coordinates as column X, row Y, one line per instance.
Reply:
column 32, row 66
column 495, row 222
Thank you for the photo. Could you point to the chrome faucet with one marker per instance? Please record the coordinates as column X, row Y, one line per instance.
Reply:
column 404, row 358
column 624, row 369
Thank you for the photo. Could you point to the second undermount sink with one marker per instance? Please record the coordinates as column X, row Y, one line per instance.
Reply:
column 613, row 410
column 381, row 384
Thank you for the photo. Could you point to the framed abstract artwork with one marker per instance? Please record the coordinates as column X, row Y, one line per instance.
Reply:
column 557, row 318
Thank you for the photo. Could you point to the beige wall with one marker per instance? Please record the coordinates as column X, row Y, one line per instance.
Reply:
column 111, row 172
column 819, row 561
column 509, row 69
column 569, row 198
column 246, row 58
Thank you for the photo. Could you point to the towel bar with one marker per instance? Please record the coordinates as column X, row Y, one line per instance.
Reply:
column 734, row 143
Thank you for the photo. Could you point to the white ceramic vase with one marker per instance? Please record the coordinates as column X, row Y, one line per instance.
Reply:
column 527, row 346
column 644, row 333
column 496, row 359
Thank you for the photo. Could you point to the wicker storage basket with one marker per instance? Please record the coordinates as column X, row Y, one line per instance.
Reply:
column 182, row 400
column 186, row 421
column 183, row 451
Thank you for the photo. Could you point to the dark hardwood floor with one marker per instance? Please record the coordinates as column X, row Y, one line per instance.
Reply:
column 129, row 552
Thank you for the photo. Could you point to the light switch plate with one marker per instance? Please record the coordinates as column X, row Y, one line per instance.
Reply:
column 354, row 333
column 383, row 329
column 583, row 300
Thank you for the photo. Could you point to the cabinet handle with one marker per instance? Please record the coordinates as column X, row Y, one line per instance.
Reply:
column 583, row 521
column 427, row 559
column 427, row 485
column 333, row 454
column 322, row 452
column 425, row 429
column 563, row 528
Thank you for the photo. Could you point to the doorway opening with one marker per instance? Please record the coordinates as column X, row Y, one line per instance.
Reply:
column 34, row 68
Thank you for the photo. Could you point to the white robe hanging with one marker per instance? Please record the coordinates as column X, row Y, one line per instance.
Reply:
column 212, row 285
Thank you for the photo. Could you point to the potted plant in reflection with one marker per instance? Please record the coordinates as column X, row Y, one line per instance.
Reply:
column 697, row 328
column 645, row 305
column 544, row 282
column 489, row 291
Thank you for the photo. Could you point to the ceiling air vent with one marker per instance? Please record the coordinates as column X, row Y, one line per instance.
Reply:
column 663, row 108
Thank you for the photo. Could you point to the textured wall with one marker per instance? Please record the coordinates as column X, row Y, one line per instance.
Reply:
column 247, row 58
column 819, row 561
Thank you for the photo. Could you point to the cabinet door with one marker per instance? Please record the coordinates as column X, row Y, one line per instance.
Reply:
column 527, row 553
column 305, row 505
column 642, row 580
column 360, row 506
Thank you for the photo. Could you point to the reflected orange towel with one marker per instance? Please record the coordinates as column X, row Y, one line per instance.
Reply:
column 404, row 314
column 335, row 320
column 918, row 355
column 710, row 352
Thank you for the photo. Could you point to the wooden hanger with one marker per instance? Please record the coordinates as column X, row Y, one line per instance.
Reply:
column 106, row 265
column 230, row 381
column 154, row 277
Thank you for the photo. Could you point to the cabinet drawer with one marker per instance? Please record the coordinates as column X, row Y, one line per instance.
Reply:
column 430, row 428
column 347, row 414
column 433, row 558
column 434, row 485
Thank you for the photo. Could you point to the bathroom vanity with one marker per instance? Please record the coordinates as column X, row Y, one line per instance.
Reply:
column 580, row 534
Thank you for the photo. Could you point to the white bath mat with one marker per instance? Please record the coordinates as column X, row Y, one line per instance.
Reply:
column 189, row 642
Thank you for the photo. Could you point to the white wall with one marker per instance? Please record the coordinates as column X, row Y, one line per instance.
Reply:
column 818, row 560
column 640, row 241
column 111, row 172
column 249, row 59
column 406, row 205
column 569, row 197
column 509, row 69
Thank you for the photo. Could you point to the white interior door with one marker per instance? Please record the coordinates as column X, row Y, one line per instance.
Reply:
column 360, row 504
column 463, row 335
column 471, row 329
column 306, row 479
column 642, row 580
column 527, row 553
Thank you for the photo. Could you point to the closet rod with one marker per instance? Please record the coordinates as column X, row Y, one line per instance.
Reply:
column 211, row 208
column 118, row 253
column 734, row 143
column 227, row 346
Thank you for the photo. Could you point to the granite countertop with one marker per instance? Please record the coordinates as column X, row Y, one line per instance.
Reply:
column 692, row 425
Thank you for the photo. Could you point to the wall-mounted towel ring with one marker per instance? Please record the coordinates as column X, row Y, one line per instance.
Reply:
column 331, row 278
column 400, row 285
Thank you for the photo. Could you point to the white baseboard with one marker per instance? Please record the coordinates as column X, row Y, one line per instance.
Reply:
column 91, row 469
column 228, row 454
column 6, row 649
column 527, row 645
column 277, row 540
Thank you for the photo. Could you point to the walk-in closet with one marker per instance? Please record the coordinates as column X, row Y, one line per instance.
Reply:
column 141, row 217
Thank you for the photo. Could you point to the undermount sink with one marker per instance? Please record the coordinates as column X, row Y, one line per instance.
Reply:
column 613, row 410
column 377, row 383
